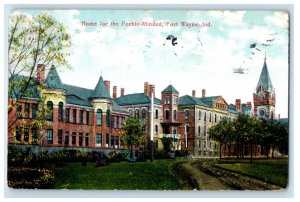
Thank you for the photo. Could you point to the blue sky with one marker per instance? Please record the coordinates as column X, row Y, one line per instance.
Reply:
column 204, row 57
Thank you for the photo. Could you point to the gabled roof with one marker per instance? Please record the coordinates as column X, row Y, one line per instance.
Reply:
column 77, row 95
column 52, row 80
column 117, row 108
column 264, row 79
column 136, row 99
column 209, row 100
column 190, row 100
column 170, row 89
column 100, row 91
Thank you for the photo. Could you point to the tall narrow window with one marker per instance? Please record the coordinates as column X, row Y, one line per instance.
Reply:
column 174, row 131
column 67, row 138
column 204, row 131
column 80, row 139
column 199, row 115
column 187, row 129
column 156, row 129
column 87, row 140
column 137, row 113
column 186, row 114
column 99, row 117
column 59, row 136
column 199, row 130
column 49, row 136
column 174, row 100
column 67, row 115
column 122, row 121
column 130, row 112
column 112, row 141
column 50, row 111
column 98, row 140
column 27, row 110
column 167, row 100
column 156, row 113
column 74, row 116
column 113, row 121
column 215, row 118
column 87, row 118
column 34, row 109
column 204, row 116
column 108, row 118
column 175, row 114
column 19, row 111
column 117, row 141
column 74, row 138
column 34, row 135
column 144, row 113
column 210, row 117
column 60, row 111
column 107, row 140
column 167, row 115
column 117, row 122
column 18, row 133
column 81, row 117
column 26, row 135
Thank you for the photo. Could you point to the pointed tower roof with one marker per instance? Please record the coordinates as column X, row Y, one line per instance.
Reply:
column 100, row 90
column 264, row 79
column 170, row 89
column 53, row 81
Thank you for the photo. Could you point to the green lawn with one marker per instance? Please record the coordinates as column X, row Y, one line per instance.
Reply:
column 273, row 171
column 120, row 176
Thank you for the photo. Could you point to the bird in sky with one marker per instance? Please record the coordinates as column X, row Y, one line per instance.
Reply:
column 253, row 45
column 173, row 39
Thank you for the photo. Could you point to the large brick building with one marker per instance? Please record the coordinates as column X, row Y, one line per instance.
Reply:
column 92, row 118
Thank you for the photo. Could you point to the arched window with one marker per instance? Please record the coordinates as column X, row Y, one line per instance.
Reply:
column 167, row 114
column 144, row 113
column 50, row 111
column 199, row 115
column 99, row 117
column 204, row 116
column 156, row 113
column 60, row 111
column 130, row 112
column 137, row 113
column 108, row 118
column 175, row 114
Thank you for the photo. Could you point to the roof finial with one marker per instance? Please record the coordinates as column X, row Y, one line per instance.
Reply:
column 265, row 56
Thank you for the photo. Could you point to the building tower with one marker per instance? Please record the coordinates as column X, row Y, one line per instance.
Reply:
column 170, row 121
column 264, row 97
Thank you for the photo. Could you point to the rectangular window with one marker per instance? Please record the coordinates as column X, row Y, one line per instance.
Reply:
column 156, row 129
column 87, row 118
column 156, row 113
column 209, row 117
column 112, row 141
column 26, row 135
column 167, row 100
column 117, row 122
column 59, row 136
column 98, row 140
column 215, row 118
column 74, row 116
column 204, row 144
column 81, row 117
column 67, row 115
column 80, row 139
column 18, row 133
column 204, row 116
column 19, row 111
column 186, row 114
column 34, row 135
column 49, row 136
column 117, row 141
column 74, row 138
column 122, row 120
column 107, row 140
column 67, row 138
column 34, row 108
column 112, row 121
column 27, row 110
column 199, row 115
column 87, row 140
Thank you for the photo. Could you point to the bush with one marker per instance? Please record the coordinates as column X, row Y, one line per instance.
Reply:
column 29, row 178
column 18, row 157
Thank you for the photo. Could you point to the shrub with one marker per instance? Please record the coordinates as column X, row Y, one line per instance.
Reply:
column 29, row 178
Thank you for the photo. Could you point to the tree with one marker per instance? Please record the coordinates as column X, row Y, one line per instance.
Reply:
column 132, row 133
column 32, row 41
column 222, row 133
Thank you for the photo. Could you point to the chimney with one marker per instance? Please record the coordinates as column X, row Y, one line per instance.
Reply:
column 107, row 84
column 152, row 90
column 238, row 105
column 194, row 93
column 114, row 92
column 122, row 92
column 203, row 92
column 249, row 104
column 40, row 75
column 146, row 88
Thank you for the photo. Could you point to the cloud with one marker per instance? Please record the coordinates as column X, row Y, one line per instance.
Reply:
column 279, row 18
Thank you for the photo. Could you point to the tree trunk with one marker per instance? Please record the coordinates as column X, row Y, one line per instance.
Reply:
column 273, row 152
column 251, row 153
column 220, row 150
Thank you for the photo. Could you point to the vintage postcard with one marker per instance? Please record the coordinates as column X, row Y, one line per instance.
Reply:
column 148, row 99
